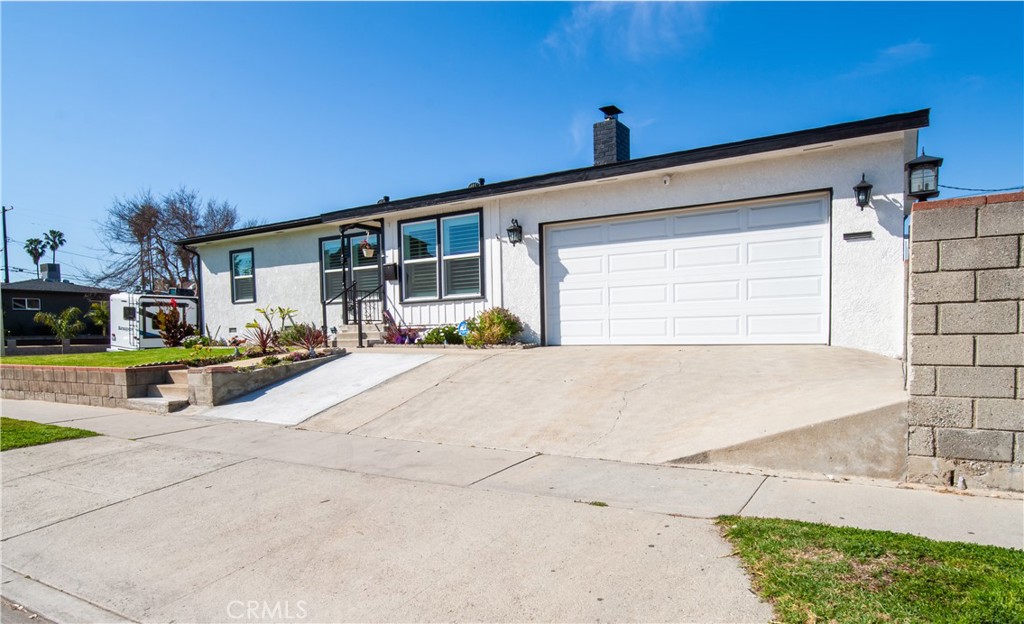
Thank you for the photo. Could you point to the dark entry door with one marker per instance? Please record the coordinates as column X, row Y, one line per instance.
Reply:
column 363, row 270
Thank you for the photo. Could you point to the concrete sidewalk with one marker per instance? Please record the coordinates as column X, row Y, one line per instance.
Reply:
column 177, row 517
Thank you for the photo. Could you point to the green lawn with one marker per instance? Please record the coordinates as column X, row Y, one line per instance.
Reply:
column 111, row 358
column 18, row 433
column 818, row 573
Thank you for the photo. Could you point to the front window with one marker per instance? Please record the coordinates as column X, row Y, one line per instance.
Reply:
column 243, row 277
column 333, row 263
column 24, row 303
column 441, row 258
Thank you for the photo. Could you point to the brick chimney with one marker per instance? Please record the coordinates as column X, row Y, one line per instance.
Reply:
column 49, row 272
column 611, row 138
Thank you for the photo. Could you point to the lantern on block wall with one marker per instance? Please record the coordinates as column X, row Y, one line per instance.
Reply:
column 923, row 177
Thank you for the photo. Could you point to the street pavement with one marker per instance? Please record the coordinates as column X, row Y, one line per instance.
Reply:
column 193, row 518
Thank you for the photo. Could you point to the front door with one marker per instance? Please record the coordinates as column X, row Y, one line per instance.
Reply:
column 363, row 252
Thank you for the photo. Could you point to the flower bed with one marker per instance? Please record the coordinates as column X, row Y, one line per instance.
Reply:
column 215, row 385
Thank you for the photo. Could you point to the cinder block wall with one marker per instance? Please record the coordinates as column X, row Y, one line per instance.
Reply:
column 80, row 385
column 966, row 350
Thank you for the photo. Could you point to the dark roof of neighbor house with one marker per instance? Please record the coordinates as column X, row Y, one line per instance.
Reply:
column 838, row 132
column 66, row 288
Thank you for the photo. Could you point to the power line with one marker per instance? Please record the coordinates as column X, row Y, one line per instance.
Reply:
column 960, row 188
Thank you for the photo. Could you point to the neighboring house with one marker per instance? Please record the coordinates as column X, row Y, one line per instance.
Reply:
column 754, row 242
column 23, row 300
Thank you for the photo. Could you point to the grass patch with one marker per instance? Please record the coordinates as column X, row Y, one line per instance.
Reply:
column 18, row 433
column 111, row 359
column 818, row 573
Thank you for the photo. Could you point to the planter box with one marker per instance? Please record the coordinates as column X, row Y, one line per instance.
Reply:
column 215, row 385
column 461, row 346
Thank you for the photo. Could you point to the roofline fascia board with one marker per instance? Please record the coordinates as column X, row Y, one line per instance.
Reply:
column 801, row 138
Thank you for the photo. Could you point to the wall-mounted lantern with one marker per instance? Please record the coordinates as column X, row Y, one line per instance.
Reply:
column 862, row 192
column 923, row 177
column 515, row 233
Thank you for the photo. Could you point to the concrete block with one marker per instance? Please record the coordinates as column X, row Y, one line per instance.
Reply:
column 1005, row 414
column 964, row 381
column 1003, row 218
column 923, row 319
column 1001, row 284
column 979, row 253
column 924, row 257
column 1001, row 350
column 1020, row 383
column 930, row 470
column 943, row 223
column 1018, row 448
column 921, row 380
column 950, row 350
column 941, row 412
column 990, row 317
column 921, row 441
column 941, row 287
column 974, row 444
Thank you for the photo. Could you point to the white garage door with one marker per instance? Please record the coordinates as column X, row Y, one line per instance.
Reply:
column 748, row 274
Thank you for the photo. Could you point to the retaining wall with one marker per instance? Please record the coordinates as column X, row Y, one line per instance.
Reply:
column 81, row 385
column 966, row 342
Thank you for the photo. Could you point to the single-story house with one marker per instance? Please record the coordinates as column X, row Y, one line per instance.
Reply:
column 754, row 242
column 23, row 300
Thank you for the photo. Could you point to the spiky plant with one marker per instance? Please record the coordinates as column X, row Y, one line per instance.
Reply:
column 65, row 325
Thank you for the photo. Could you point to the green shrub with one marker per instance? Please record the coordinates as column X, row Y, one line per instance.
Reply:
column 291, row 334
column 270, row 360
column 445, row 334
column 493, row 326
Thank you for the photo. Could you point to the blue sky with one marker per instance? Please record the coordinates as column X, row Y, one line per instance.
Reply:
column 292, row 109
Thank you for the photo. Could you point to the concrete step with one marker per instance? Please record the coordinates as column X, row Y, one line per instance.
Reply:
column 169, row 391
column 157, row 405
column 179, row 376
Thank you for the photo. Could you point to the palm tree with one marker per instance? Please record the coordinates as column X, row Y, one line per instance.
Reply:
column 54, row 240
column 65, row 326
column 37, row 249
column 99, row 314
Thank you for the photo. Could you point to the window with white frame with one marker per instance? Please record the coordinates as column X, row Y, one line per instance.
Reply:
column 441, row 258
column 332, row 262
column 243, row 277
column 24, row 303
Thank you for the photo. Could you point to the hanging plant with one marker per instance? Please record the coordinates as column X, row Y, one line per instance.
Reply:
column 366, row 249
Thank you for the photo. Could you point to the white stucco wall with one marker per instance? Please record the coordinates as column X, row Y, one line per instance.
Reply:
column 867, row 287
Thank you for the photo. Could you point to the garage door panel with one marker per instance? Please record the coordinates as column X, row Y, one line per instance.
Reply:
column 696, row 292
column 785, row 287
column 707, row 223
column 587, row 265
column 576, row 237
column 786, row 215
column 717, row 255
column 620, row 329
column 784, row 325
column 645, row 229
column 645, row 261
column 694, row 327
column 629, row 295
column 785, row 250
column 741, row 275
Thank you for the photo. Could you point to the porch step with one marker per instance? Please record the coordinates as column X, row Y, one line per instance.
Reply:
column 169, row 391
column 179, row 376
column 158, row 405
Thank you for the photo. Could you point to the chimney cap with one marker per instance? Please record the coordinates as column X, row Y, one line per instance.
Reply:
column 611, row 111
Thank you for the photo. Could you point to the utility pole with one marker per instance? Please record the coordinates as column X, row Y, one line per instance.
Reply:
column 7, row 243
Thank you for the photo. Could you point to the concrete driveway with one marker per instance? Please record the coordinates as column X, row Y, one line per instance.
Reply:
column 814, row 408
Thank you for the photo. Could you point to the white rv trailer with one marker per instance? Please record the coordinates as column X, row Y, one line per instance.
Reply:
column 132, row 316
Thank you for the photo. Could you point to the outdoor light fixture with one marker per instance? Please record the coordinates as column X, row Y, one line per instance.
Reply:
column 515, row 233
column 862, row 191
column 923, row 177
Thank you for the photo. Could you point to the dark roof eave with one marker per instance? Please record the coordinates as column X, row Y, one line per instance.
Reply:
column 801, row 138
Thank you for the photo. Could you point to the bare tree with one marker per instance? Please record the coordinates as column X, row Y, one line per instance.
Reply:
column 139, row 233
